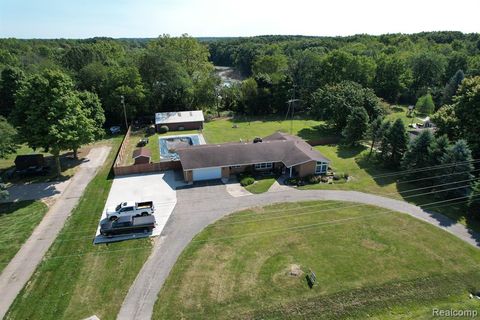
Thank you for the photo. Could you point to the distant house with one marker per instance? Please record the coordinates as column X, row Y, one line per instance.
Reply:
column 278, row 152
column 141, row 156
column 181, row 120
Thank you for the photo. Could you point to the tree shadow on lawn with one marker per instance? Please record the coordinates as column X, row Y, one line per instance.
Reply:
column 10, row 207
column 318, row 132
column 373, row 167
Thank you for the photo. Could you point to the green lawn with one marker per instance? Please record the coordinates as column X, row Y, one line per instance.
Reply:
column 368, row 262
column 363, row 172
column 17, row 221
column 77, row 279
column 218, row 131
column 261, row 185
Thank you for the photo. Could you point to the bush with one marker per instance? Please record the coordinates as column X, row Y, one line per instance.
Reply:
column 312, row 179
column 163, row 129
column 246, row 181
column 291, row 181
column 345, row 176
column 336, row 177
column 324, row 179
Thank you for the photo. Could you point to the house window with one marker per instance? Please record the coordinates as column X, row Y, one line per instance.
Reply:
column 264, row 165
column 236, row 167
column 321, row 167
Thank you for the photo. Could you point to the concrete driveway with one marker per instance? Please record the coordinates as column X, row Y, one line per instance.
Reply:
column 199, row 206
column 156, row 187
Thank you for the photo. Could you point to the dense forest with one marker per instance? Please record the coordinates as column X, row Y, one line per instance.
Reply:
column 342, row 80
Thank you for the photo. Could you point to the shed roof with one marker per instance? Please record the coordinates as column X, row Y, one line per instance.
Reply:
column 141, row 152
column 275, row 148
column 179, row 117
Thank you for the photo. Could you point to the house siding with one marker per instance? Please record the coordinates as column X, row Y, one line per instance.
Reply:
column 142, row 160
column 186, row 125
column 225, row 172
column 306, row 169
column 188, row 175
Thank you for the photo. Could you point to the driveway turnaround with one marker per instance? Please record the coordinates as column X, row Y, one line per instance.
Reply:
column 158, row 187
column 196, row 209
column 21, row 267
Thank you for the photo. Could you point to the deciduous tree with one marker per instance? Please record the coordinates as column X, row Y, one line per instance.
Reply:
column 356, row 127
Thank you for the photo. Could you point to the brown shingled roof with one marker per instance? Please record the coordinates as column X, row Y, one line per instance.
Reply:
column 141, row 152
column 278, row 147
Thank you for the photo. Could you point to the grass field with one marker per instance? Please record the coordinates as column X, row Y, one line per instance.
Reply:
column 363, row 172
column 261, row 185
column 17, row 221
column 77, row 279
column 368, row 262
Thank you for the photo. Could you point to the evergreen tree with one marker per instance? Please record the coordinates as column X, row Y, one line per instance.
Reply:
column 458, row 168
column 357, row 125
column 451, row 87
column 3, row 191
column 418, row 152
column 374, row 133
column 383, row 139
column 474, row 199
column 397, row 138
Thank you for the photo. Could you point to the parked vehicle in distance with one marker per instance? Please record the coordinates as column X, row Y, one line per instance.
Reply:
column 130, row 209
column 143, row 142
column 115, row 129
column 127, row 225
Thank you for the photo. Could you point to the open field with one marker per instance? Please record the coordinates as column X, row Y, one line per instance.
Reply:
column 77, row 279
column 368, row 262
column 17, row 221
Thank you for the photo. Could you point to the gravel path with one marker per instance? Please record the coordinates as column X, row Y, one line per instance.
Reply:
column 187, row 220
column 21, row 267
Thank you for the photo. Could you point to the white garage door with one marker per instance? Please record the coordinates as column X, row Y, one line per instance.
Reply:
column 207, row 174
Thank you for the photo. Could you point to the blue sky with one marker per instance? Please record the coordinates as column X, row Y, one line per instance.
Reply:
column 149, row 18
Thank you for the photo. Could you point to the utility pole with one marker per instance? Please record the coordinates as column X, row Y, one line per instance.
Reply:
column 122, row 99
column 291, row 105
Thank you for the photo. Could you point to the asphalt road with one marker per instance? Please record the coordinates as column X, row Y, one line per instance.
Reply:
column 17, row 273
column 195, row 210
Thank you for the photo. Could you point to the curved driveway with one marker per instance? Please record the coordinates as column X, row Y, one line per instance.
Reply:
column 196, row 209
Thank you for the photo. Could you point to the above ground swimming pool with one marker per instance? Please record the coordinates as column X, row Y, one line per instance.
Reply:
column 169, row 144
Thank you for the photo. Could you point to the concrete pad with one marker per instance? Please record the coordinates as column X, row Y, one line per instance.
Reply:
column 279, row 185
column 156, row 187
column 235, row 189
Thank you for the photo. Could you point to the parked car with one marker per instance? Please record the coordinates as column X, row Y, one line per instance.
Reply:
column 130, row 209
column 143, row 142
column 115, row 129
column 126, row 225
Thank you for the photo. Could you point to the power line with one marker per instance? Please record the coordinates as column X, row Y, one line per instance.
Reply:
column 97, row 253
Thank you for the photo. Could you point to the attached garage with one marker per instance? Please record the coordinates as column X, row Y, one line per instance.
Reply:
column 207, row 174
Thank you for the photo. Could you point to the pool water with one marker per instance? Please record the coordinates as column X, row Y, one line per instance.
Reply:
column 168, row 145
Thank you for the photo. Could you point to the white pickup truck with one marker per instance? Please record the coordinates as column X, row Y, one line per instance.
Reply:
column 130, row 208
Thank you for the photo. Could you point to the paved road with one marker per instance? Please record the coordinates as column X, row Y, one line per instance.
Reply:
column 21, row 267
column 195, row 210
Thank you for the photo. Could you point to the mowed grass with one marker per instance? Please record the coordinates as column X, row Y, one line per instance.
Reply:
column 222, row 130
column 78, row 279
column 369, row 262
column 366, row 176
column 261, row 185
column 17, row 221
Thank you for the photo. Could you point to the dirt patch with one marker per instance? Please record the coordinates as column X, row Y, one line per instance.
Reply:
column 294, row 270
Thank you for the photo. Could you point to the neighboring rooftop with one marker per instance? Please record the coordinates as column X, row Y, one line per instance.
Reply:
column 278, row 147
column 179, row 117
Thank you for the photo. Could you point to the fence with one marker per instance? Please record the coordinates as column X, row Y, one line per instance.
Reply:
column 120, row 170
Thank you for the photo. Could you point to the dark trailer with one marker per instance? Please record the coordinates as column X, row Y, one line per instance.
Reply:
column 127, row 225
